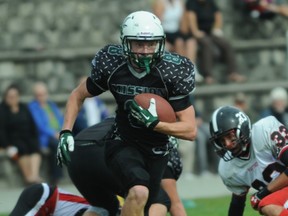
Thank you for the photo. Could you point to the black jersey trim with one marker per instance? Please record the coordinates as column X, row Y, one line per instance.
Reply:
column 181, row 104
column 93, row 88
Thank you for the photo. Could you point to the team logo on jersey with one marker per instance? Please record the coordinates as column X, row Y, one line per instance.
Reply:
column 172, row 58
column 114, row 50
column 134, row 89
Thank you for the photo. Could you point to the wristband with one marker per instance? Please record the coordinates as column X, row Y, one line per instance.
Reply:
column 65, row 131
column 263, row 193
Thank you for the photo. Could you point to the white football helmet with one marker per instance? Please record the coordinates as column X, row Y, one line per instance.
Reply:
column 143, row 25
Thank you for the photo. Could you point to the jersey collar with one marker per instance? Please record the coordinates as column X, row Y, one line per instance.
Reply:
column 138, row 75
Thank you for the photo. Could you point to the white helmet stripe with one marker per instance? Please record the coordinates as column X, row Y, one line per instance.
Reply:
column 41, row 202
column 214, row 120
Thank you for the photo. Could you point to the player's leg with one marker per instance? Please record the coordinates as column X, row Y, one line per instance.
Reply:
column 157, row 210
column 96, row 183
column 91, row 176
column 168, row 183
column 32, row 199
column 177, row 208
column 274, row 210
column 140, row 176
column 275, row 203
column 161, row 205
column 128, row 167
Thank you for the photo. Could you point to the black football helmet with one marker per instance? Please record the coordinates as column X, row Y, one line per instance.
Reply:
column 229, row 119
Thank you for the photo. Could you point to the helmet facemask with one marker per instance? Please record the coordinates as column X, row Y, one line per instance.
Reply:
column 144, row 61
column 240, row 145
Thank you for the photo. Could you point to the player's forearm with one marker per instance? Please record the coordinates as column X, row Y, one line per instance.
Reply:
column 181, row 130
column 185, row 128
column 73, row 106
column 280, row 182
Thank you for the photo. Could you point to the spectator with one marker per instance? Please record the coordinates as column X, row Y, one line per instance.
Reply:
column 170, row 12
column 173, row 16
column 49, row 121
column 278, row 105
column 18, row 132
column 240, row 102
column 266, row 9
column 93, row 111
column 205, row 21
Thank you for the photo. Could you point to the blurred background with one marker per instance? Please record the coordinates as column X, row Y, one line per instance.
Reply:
column 54, row 42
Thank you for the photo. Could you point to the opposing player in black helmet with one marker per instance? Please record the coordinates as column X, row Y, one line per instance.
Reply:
column 230, row 121
column 252, row 157
column 137, row 150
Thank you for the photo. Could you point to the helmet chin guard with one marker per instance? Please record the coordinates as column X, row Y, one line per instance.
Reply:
column 142, row 26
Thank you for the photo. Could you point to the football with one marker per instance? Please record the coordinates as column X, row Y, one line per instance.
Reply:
column 164, row 109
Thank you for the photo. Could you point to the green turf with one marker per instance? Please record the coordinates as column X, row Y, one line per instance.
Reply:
column 214, row 207
column 209, row 207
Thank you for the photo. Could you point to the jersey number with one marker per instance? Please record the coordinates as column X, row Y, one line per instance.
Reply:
column 273, row 170
column 270, row 172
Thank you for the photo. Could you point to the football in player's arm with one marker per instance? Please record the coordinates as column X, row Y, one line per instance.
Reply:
column 252, row 156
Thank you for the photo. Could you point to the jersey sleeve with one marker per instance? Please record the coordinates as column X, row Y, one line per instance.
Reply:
column 271, row 137
column 180, row 79
column 181, row 84
column 103, row 65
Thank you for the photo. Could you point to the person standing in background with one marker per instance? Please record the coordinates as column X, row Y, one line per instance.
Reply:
column 266, row 9
column 173, row 16
column 18, row 132
column 205, row 21
column 49, row 120
column 278, row 105
column 171, row 12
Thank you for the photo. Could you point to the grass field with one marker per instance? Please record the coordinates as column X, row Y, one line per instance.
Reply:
column 210, row 207
column 216, row 207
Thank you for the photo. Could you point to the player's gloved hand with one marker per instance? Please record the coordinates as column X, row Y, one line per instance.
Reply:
column 65, row 146
column 258, row 196
column 148, row 117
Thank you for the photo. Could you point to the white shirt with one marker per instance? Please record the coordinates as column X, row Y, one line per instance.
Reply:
column 263, row 165
column 172, row 15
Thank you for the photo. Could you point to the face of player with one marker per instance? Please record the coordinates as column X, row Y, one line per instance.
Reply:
column 230, row 142
column 143, row 48
column 142, row 54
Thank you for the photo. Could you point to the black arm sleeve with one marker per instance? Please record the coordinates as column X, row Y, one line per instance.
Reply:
column 283, row 156
column 237, row 205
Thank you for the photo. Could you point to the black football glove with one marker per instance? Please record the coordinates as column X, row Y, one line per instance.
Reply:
column 258, row 196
